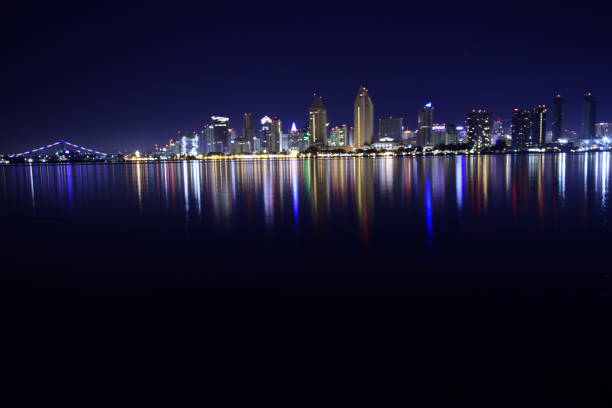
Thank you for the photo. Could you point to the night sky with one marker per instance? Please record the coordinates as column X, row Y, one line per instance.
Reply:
column 116, row 77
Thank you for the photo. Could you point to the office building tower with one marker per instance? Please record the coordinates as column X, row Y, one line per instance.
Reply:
column 273, row 144
column 425, row 123
column 222, row 134
column 390, row 128
column 317, row 121
column 538, row 126
column 338, row 136
column 208, row 139
column 264, row 131
column 247, row 127
column 189, row 144
column 521, row 128
column 479, row 128
column 558, row 111
column 589, row 117
column 363, row 110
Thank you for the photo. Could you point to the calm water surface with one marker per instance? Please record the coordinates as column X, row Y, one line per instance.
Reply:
column 299, row 245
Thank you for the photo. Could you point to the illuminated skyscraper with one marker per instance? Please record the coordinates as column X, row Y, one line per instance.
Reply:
column 538, row 126
column 425, row 124
column 603, row 130
column 390, row 128
column 521, row 127
column 589, row 117
column 558, row 111
column 479, row 128
column 222, row 138
column 273, row 144
column 364, row 119
column 317, row 120
column 261, row 144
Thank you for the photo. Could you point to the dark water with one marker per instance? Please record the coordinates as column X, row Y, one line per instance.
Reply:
column 465, row 253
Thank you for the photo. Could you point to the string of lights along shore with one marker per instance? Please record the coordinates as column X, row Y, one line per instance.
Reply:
column 528, row 129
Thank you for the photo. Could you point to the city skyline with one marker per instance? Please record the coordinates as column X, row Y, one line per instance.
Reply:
column 136, row 85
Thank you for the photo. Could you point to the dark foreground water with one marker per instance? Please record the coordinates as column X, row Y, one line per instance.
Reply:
column 488, row 251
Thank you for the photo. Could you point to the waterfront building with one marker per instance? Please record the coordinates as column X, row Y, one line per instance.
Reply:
column 221, row 134
column 317, row 121
column 538, row 126
column 264, row 132
column 479, row 128
column 521, row 128
column 390, row 128
column 247, row 127
column 273, row 144
column 425, row 123
column 189, row 144
column 363, row 112
column 338, row 136
column 589, row 117
column 558, row 111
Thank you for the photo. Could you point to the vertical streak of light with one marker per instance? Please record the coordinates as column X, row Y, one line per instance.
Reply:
column 197, row 185
column 32, row 187
column 139, row 184
column 186, row 188
column 562, row 170
column 428, row 211
column 605, row 170
column 459, row 182
column 295, row 192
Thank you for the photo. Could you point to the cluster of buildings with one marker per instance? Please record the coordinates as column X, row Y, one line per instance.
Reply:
column 527, row 129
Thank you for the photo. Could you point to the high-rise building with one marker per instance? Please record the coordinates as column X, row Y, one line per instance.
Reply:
column 589, row 117
column 558, row 111
column 247, row 129
column 521, row 127
column 479, row 128
column 264, row 131
column 364, row 119
column 222, row 135
column 390, row 128
column 317, row 120
column 538, row 126
column 338, row 136
column 208, row 139
column 273, row 144
column 189, row 144
column 425, row 124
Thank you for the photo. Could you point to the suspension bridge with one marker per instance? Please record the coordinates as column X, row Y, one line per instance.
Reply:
column 58, row 143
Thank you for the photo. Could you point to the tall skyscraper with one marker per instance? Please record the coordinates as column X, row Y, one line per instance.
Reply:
column 390, row 128
column 521, row 127
column 451, row 134
column 364, row 119
column 479, row 128
column 263, row 133
column 538, row 126
column 589, row 117
column 558, row 111
column 222, row 139
column 247, row 129
column 273, row 144
column 425, row 123
column 317, row 120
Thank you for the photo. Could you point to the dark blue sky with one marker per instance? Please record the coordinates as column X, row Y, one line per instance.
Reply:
column 113, row 76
